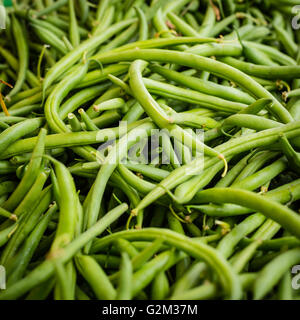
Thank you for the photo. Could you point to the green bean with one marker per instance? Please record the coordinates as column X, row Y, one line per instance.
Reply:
column 28, row 223
column 143, row 24
column 265, row 72
column 191, row 20
column 108, row 167
column 142, row 186
column 274, row 53
column 97, row 76
column 64, row 25
column 108, row 118
column 55, row 187
column 124, row 37
column 107, row 260
column 24, row 256
column 157, row 217
column 63, row 287
column 49, row 26
column 211, row 65
column 257, row 106
column 204, row 292
column 32, row 100
column 6, row 214
column 174, row 6
column 232, row 173
column 30, row 199
column 46, row 268
column 295, row 110
column 160, row 287
column 202, row 86
column 275, row 244
column 254, row 164
column 120, row 83
column 158, row 115
column 106, row 21
column 30, row 174
column 124, row 245
column 6, row 233
column 273, row 271
column 124, row 288
column 216, row 49
column 219, row 27
column 208, row 21
column 292, row 93
column 197, row 250
column 27, row 156
column 285, row 217
column 84, row 10
column 189, row 279
column 67, row 43
column 102, row 5
column 260, row 261
column 12, row 120
column 287, row 41
column 69, row 139
column 72, row 57
column 139, row 259
column 18, row 130
column 161, row 42
column 50, row 38
column 182, row 234
column 134, row 113
column 160, row 25
column 228, row 243
column 285, row 290
column 183, row 152
column 152, row 107
column 261, row 177
column 178, row 176
column 74, row 123
column 129, row 7
column 57, row 95
column 114, row 92
column 42, row 291
column 266, row 231
column 23, row 54
column 68, row 207
column 89, row 124
column 251, row 121
column 6, row 167
column 96, row 277
column 109, row 104
column 56, row 5
column 182, row 26
column 190, row 96
column 151, row 172
column 146, row 273
column 282, row 195
column 73, row 31
column 255, row 33
column 292, row 156
column 3, row 125
column 187, row 190
column 174, row 224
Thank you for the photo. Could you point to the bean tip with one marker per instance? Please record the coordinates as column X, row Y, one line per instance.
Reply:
column 134, row 212
column 14, row 217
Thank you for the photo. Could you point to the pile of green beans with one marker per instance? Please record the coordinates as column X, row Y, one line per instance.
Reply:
column 150, row 150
